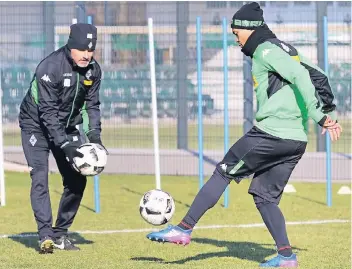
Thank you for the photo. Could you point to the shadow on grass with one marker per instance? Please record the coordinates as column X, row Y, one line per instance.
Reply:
column 304, row 198
column 241, row 250
column 81, row 205
column 30, row 239
column 141, row 194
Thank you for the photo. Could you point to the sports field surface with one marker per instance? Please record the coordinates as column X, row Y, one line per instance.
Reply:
column 231, row 237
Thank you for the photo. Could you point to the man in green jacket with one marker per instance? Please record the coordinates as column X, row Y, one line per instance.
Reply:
column 286, row 86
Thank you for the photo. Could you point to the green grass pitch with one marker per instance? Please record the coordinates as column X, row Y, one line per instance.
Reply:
column 318, row 246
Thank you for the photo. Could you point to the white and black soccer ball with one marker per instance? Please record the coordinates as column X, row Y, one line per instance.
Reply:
column 157, row 207
column 93, row 161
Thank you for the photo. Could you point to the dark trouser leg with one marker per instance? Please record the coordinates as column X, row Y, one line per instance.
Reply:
column 36, row 150
column 206, row 198
column 231, row 167
column 267, row 188
column 275, row 222
column 74, row 185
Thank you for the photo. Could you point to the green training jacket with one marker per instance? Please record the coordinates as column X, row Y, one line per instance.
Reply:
column 289, row 89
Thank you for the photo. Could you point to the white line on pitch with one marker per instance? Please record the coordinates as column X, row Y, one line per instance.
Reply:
column 251, row 225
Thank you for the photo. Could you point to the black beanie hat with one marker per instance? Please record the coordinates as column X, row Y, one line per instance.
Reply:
column 249, row 16
column 83, row 36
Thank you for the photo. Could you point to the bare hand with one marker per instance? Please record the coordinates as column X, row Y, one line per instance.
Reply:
column 334, row 129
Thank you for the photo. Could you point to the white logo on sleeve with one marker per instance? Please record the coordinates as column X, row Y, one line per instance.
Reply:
column 46, row 78
column 286, row 48
column 265, row 52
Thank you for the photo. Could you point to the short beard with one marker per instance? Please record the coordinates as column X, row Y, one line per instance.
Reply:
column 82, row 65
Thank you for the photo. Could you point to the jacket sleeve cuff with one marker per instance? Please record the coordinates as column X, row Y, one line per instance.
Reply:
column 64, row 144
column 93, row 136
column 61, row 143
column 321, row 122
column 317, row 115
column 333, row 115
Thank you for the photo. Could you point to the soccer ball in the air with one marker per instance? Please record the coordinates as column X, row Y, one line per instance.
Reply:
column 156, row 207
column 93, row 161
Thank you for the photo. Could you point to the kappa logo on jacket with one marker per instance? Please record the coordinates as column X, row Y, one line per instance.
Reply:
column 46, row 78
column 265, row 52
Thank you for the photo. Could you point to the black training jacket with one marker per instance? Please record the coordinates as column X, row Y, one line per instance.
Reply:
column 62, row 95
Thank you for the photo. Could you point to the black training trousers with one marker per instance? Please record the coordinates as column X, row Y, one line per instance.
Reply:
column 36, row 147
column 271, row 159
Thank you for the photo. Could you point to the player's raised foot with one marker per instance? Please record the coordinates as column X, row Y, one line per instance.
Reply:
column 281, row 262
column 46, row 245
column 64, row 243
column 172, row 234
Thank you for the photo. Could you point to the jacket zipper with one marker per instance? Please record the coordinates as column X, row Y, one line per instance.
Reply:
column 73, row 104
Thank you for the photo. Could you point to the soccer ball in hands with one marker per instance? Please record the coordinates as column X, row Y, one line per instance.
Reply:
column 93, row 161
column 156, row 207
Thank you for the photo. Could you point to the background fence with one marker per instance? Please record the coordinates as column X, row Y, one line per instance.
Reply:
column 31, row 30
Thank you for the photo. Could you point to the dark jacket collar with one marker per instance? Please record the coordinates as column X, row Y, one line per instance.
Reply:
column 259, row 36
column 68, row 55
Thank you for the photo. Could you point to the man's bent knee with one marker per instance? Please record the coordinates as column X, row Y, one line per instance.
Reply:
column 260, row 201
column 76, row 185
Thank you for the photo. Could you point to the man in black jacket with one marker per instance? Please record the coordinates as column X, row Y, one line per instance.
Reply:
column 63, row 93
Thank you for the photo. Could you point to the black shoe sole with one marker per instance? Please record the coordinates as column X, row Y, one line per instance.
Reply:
column 159, row 240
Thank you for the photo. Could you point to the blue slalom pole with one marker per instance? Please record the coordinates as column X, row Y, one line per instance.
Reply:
column 327, row 136
column 96, row 194
column 96, row 178
column 200, row 103
column 226, row 101
column 89, row 20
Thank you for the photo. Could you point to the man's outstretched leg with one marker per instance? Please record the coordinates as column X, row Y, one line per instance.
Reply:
column 241, row 160
column 255, row 151
column 206, row 198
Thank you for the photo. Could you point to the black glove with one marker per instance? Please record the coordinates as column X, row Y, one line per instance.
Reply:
column 94, row 137
column 70, row 151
